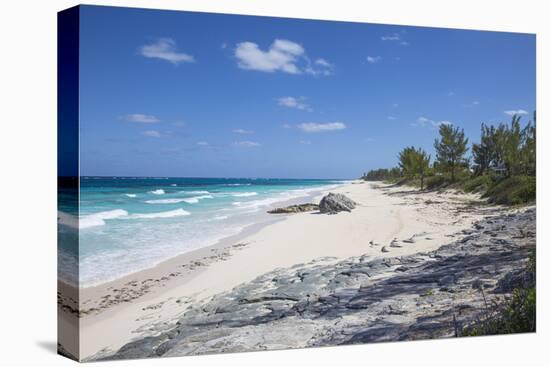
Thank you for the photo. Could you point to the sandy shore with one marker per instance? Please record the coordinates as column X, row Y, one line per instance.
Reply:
column 387, row 218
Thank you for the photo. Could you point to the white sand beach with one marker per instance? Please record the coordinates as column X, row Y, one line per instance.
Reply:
column 151, row 300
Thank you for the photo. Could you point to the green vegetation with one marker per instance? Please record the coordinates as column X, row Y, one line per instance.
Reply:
column 512, row 190
column 503, row 165
column 427, row 293
column 508, row 149
column 518, row 315
column 451, row 150
column 414, row 163
column 478, row 184
column 436, row 182
column 383, row 174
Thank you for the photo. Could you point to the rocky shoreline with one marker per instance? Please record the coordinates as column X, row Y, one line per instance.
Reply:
column 358, row 300
column 298, row 208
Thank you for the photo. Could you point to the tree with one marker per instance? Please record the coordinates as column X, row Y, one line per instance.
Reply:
column 395, row 173
column 512, row 146
column 414, row 163
column 528, row 149
column 422, row 165
column 451, row 149
column 406, row 161
column 484, row 152
column 508, row 148
column 382, row 174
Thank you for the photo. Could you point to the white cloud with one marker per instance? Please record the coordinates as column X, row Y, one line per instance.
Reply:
column 203, row 143
column 293, row 102
column 243, row 131
column 322, row 70
column 282, row 55
column 312, row 127
column 450, row 93
column 286, row 126
column 323, row 62
column 392, row 118
column 246, row 144
column 516, row 112
column 394, row 37
column 223, row 46
column 179, row 124
column 475, row 103
column 423, row 121
column 391, row 37
column 305, row 142
column 165, row 49
column 373, row 59
column 141, row 118
column 152, row 133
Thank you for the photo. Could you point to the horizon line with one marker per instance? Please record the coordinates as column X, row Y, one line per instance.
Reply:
column 210, row 177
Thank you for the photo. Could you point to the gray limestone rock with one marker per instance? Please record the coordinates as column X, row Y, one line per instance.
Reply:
column 334, row 203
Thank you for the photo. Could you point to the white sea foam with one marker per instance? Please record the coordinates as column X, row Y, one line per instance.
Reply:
column 197, row 192
column 99, row 267
column 238, row 184
column 68, row 267
column 196, row 199
column 191, row 200
column 255, row 205
column 165, row 201
column 131, row 195
column 98, row 219
column 157, row 192
column 168, row 214
column 67, row 219
column 245, row 194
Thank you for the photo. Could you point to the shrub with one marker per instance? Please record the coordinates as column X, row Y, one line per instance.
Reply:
column 512, row 191
column 478, row 184
column 435, row 182
column 383, row 174
column 518, row 315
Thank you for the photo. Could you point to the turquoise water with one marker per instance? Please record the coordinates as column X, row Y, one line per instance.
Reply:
column 128, row 224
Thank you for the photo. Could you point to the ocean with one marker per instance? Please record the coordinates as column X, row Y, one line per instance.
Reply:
column 129, row 224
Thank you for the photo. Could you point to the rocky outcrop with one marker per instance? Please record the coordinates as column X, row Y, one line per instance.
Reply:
column 300, row 208
column 334, row 203
column 358, row 300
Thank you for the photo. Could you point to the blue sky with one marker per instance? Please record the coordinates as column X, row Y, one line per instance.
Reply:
column 207, row 95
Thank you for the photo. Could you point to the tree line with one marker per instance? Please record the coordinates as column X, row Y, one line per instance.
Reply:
column 504, row 150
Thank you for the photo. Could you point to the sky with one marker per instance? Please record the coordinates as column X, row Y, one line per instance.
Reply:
column 184, row 94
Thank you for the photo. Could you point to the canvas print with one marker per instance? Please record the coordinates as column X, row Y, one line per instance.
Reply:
column 232, row 183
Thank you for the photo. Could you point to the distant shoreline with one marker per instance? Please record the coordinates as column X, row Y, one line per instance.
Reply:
column 205, row 177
